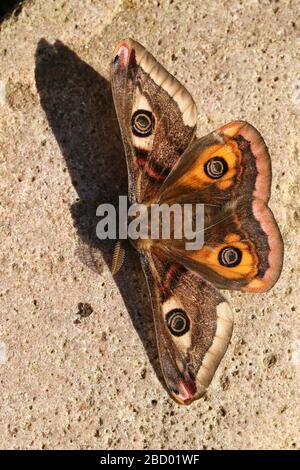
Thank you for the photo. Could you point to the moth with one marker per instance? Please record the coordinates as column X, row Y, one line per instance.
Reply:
column 229, row 171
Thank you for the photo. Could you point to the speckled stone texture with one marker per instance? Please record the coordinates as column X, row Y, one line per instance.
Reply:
column 78, row 361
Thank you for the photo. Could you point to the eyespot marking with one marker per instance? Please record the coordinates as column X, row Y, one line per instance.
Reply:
column 216, row 167
column 142, row 123
column 178, row 322
column 230, row 256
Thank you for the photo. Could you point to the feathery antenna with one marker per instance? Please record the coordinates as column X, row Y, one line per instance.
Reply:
column 118, row 258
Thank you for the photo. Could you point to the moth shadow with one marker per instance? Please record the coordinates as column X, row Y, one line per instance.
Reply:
column 79, row 107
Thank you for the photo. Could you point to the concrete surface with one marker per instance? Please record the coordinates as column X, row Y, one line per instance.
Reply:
column 86, row 376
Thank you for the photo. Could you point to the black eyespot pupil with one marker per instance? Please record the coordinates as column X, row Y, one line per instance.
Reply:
column 116, row 59
column 177, row 322
column 230, row 256
column 216, row 167
column 142, row 123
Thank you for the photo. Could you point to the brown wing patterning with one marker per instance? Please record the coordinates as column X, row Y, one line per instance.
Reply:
column 229, row 171
column 193, row 326
column 157, row 117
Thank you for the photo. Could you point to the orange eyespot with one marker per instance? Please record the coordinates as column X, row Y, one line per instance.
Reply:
column 216, row 167
column 230, row 256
